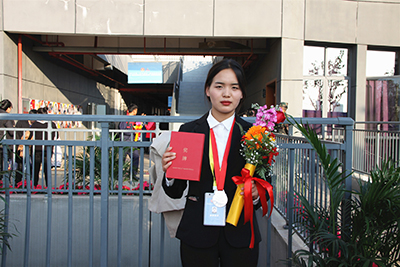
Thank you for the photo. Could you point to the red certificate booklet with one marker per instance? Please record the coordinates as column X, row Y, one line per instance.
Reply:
column 189, row 154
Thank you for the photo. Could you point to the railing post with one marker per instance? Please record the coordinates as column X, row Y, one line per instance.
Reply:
column 6, row 185
column 377, row 147
column 348, row 156
column 104, row 195
column 290, row 203
column 269, row 238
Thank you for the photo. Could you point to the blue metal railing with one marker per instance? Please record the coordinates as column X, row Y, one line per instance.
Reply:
column 298, row 172
column 375, row 142
column 296, row 162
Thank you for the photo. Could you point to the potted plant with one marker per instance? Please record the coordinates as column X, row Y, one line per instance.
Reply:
column 82, row 166
column 371, row 238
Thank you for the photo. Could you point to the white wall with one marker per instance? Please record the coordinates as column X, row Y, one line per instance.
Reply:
column 365, row 22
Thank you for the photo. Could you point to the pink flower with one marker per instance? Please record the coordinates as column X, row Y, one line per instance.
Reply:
column 266, row 117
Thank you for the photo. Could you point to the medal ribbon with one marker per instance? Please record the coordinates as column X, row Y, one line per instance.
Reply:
column 219, row 173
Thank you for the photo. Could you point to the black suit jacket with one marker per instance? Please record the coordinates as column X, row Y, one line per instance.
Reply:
column 191, row 229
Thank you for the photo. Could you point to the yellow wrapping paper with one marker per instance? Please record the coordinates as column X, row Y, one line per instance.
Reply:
column 238, row 200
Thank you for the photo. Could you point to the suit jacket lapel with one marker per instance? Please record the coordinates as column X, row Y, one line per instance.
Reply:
column 202, row 127
column 235, row 144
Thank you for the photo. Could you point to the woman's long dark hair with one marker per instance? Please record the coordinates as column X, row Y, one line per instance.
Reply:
column 5, row 104
column 228, row 64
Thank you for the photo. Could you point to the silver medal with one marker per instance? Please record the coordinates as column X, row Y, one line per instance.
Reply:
column 219, row 199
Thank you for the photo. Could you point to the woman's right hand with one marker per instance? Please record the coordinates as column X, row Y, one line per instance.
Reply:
column 167, row 158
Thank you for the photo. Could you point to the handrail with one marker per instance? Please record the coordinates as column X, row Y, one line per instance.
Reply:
column 119, row 118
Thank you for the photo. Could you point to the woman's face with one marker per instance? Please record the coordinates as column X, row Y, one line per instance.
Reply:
column 9, row 110
column 225, row 94
column 133, row 113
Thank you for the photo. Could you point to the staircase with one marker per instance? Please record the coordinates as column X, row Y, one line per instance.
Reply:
column 192, row 100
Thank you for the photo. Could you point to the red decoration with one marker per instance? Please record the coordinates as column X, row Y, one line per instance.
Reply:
column 262, row 187
column 280, row 116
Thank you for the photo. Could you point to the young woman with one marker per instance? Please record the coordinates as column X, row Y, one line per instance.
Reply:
column 130, row 136
column 40, row 152
column 5, row 107
column 205, row 245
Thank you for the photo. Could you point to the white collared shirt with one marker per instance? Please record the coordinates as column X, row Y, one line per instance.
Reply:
column 221, row 131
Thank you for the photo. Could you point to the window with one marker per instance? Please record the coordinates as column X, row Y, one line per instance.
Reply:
column 325, row 87
column 380, row 63
column 383, row 88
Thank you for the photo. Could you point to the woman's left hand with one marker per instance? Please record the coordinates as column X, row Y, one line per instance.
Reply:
column 254, row 191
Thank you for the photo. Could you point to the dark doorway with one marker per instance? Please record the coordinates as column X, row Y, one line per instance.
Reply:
column 270, row 93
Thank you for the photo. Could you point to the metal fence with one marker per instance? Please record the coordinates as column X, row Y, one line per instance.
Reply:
column 297, row 171
column 375, row 142
column 86, row 169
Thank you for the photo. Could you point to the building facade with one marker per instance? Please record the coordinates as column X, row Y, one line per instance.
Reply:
column 50, row 49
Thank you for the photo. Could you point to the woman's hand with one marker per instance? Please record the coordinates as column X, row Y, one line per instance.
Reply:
column 254, row 191
column 167, row 158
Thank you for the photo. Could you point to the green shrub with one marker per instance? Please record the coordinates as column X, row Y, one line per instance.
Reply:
column 81, row 172
column 371, row 236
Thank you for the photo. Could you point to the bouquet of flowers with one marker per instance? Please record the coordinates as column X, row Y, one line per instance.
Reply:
column 137, row 126
column 259, row 149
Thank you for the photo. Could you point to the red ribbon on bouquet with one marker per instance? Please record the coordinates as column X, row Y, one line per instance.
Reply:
column 262, row 187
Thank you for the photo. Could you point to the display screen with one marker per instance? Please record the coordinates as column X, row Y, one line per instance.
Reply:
column 145, row 72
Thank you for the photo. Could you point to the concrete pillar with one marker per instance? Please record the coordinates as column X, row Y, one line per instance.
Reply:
column 292, row 45
column 1, row 51
column 291, row 83
column 8, row 70
column 1, row 64
column 357, row 72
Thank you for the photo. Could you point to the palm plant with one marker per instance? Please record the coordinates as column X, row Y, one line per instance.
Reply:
column 4, row 234
column 82, row 166
column 371, row 236
column 376, row 218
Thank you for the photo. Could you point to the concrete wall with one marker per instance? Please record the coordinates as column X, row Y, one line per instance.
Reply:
column 366, row 22
column 42, row 79
column 267, row 70
column 150, row 17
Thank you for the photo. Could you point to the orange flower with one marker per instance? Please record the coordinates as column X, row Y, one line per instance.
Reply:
column 255, row 132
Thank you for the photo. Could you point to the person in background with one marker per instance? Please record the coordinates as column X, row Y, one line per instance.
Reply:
column 283, row 128
column 40, row 152
column 251, row 112
column 23, row 135
column 5, row 107
column 205, row 245
column 133, row 153
column 151, row 126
